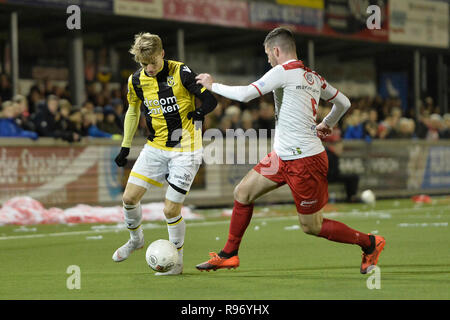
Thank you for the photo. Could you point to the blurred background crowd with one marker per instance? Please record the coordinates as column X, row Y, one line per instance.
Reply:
column 47, row 111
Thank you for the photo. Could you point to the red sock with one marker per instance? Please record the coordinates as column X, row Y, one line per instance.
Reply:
column 339, row 232
column 240, row 219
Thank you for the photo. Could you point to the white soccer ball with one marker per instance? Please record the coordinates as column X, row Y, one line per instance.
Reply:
column 161, row 255
column 368, row 197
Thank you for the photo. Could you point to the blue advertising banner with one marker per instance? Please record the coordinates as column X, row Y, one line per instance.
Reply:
column 394, row 85
column 437, row 170
column 104, row 6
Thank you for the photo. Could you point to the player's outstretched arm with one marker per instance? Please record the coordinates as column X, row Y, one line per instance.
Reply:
column 273, row 79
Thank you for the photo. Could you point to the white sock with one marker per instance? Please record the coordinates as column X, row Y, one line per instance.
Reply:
column 133, row 219
column 177, row 229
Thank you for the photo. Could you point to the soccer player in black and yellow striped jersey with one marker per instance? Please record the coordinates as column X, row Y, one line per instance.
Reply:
column 165, row 92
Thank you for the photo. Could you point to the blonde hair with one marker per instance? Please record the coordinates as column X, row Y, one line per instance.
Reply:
column 145, row 47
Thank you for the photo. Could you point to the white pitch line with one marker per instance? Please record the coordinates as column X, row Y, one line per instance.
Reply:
column 153, row 226
column 365, row 214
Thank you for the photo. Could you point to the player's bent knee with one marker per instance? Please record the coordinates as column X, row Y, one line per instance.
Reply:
column 313, row 230
column 242, row 195
column 130, row 200
column 172, row 209
column 311, row 227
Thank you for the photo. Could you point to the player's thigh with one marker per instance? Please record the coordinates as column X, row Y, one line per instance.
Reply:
column 311, row 223
column 182, row 169
column 148, row 171
column 253, row 186
column 307, row 179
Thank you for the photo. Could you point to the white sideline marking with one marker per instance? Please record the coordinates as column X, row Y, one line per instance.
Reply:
column 423, row 225
column 372, row 214
column 150, row 226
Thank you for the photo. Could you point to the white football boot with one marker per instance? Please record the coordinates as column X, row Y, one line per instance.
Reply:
column 124, row 251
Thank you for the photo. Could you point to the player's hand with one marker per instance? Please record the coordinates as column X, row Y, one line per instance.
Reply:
column 323, row 130
column 205, row 79
column 197, row 117
column 121, row 159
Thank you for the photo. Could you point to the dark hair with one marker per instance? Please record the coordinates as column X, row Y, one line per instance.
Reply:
column 281, row 37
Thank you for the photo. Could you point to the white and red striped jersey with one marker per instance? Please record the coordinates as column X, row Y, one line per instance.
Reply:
column 297, row 91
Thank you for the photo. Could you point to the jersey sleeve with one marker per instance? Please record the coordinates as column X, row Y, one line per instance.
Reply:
column 132, row 116
column 273, row 79
column 133, row 99
column 188, row 79
column 340, row 102
column 327, row 91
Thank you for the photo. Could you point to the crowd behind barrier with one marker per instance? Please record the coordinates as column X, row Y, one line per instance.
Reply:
column 47, row 111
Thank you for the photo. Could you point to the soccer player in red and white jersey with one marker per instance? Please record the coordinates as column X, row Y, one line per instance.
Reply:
column 298, row 157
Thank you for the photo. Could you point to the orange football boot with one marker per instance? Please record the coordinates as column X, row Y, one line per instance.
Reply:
column 216, row 262
column 370, row 260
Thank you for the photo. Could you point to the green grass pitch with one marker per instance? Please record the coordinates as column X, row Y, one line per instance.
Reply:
column 278, row 261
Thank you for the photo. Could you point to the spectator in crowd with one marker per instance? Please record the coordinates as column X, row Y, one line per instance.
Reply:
column 233, row 112
column 90, row 126
column 88, row 106
column 35, row 99
column 119, row 113
column 388, row 125
column 370, row 117
column 5, row 88
column 371, row 125
column 266, row 118
column 429, row 106
column 225, row 124
column 63, row 118
column 109, row 123
column 445, row 132
column 355, row 125
column 22, row 116
column 434, row 127
column 334, row 148
column 213, row 118
column 8, row 126
column 100, row 117
column 404, row 130
column 47, row 121
column 246, row 121
column 422, row 125
column 76, row 122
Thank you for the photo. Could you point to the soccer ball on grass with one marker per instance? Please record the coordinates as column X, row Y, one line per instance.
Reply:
column 161, row 255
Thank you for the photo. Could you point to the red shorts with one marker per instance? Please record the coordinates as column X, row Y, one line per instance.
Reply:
column 306, row 177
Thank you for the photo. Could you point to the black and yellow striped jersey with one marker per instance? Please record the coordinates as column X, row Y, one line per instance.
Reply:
column 165, row 100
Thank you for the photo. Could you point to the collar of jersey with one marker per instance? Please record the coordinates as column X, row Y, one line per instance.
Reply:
column 160, row 76
column 289, row 61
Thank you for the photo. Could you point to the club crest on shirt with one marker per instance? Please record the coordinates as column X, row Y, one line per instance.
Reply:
column 309, row 77
column 170, row 81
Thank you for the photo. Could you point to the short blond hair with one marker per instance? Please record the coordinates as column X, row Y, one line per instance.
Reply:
column 146, row 46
